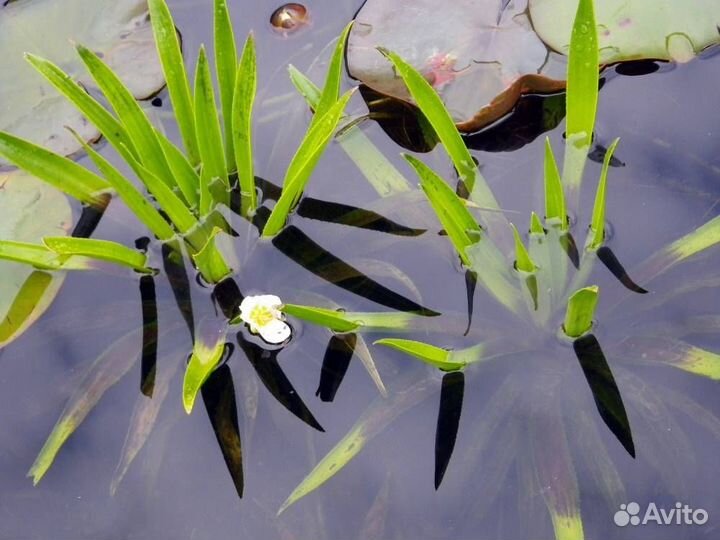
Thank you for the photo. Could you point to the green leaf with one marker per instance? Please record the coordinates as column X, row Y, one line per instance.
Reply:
column 168, row 45
column 40, row 257
column 597, row 225
column 582, row 74
column 348, row 321
column 434, row 110
column 134, row 200
column 444, row 359
column 208, row 128
column 110, row 128
column 331, row 89
column 171, row 204
column 61, row 173
column 186, row 177
column 242, row 106
column 536, row 225
column 462, row 229
column 107, row 370
column 580, row 311
column 377, row 169
column 33, row 297
column 136, row 123
column 582, row 95
column 103, row 250
column 555, row 210
column 672, row 352
column 209, row 260
column 207, row 353
column 226, row 65
column 523, row 262
column 303, row 163
column 373, row 421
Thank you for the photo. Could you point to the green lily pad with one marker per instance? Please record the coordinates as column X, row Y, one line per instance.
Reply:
column 480, row 55
column 641, row 29
column 30, row 210
column 117, row 29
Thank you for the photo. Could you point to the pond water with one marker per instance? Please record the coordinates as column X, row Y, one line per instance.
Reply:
column 178, row 486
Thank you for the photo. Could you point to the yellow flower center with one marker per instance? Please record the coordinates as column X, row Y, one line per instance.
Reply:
column 261, row 316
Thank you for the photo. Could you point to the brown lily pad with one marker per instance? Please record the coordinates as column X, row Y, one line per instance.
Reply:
column 480, row 55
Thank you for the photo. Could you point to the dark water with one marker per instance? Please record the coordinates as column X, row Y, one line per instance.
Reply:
column 178, row 487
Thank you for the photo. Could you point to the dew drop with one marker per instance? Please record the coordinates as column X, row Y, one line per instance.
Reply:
column 289, row 18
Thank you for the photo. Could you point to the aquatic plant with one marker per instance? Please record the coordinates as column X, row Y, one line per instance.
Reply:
column 552, row 316
column 191, row 195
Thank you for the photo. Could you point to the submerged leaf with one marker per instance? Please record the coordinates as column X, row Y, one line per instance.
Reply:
column 30, row 209
column 107, row 370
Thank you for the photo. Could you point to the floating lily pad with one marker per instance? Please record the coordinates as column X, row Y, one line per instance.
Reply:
column 633, row 30
column 117, row 29
column 30, row 210
column 480, row 55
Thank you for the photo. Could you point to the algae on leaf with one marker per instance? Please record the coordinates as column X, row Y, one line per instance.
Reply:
column 118, row 30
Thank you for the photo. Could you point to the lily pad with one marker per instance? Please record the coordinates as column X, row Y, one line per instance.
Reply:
column 117, row 29
column 30, row 210
column 642, row 29
column 480, row 55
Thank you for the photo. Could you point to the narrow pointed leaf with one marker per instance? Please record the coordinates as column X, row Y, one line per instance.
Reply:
column 303, row 163
column 41, row 257
column 133, row 199
column 103, row 250
column 274, row 379
column 349, row 321
column 582, row 75
column 226, row 63
column 106, row 123
column 523, row 262
column 242, row 107
column 331, row 89
column 218, row 394
column 186, row 177
column 580, row 311
column 363, row 353
column 207, row 124
column 604, row 389
column 448, row 421
column 555, row 209
column 168, row 46
column 136, row 123
column 444, row 359
column 171, row 204
column 33, row 297
column 335, row 364
column 672, row 352
column 597, row 225
column 61, row 173
column 611, row 262
column 375, row 419
column 296, row 245
column 107, row 370
column 434, row 110
column 207, row 353
column 461, row 227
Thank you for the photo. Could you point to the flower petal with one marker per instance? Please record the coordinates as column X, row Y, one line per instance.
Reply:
column 275, row 332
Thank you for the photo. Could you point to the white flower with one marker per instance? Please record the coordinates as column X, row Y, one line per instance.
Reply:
column 263, row 316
